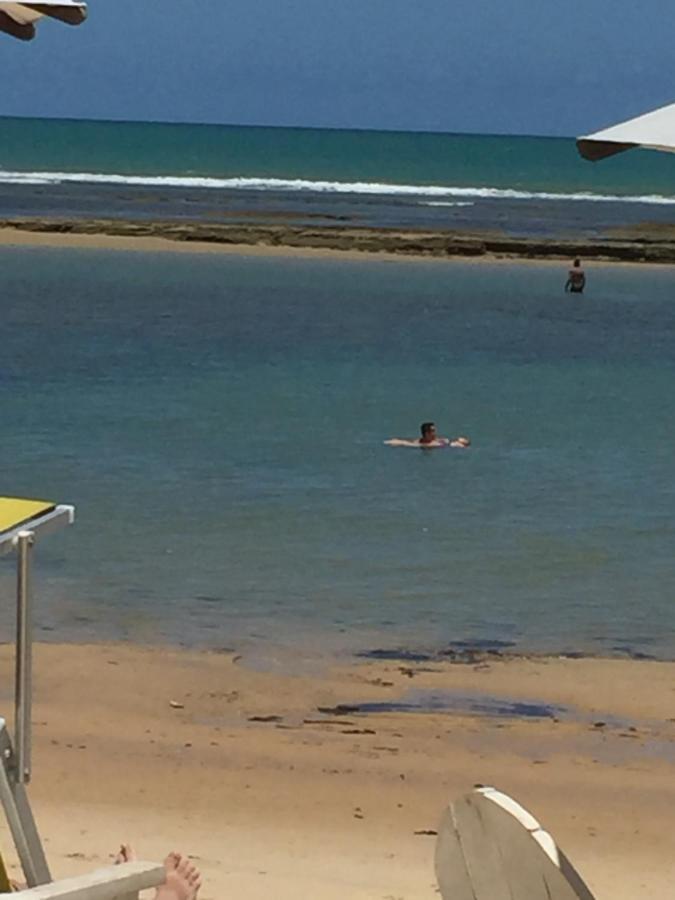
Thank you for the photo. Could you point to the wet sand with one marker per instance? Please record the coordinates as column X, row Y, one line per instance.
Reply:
column 279, row 786
column 638, row 245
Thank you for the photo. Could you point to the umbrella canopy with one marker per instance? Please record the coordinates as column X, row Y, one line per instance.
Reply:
column 18, row 19
column 654, row 130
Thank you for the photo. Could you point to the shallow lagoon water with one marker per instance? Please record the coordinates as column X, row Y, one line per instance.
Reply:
column 218, row 422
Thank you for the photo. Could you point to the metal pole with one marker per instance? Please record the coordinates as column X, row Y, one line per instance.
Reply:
column 14, row 799
column 24, row 658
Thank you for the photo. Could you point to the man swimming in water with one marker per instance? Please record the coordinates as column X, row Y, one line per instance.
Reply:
column 429, row 439
column 429, row 435
column 576, row 279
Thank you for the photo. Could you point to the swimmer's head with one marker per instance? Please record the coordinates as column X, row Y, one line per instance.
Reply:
column 576, row 263
column 428, row 432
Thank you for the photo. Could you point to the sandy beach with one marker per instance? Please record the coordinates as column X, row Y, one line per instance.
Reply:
column 273, row 797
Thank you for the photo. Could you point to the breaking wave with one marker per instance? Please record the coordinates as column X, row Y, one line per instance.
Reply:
column 300, row 185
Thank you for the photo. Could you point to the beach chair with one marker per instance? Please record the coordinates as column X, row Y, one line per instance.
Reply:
column 109, row 883
column 490, row 848
column 24, row 522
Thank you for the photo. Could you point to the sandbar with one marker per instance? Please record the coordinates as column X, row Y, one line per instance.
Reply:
column 637, row 245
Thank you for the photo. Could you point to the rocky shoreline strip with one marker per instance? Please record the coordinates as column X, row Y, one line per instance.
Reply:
column 638, row 245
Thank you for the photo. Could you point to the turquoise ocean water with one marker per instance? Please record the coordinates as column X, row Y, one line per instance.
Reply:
column 516, row 184
column 341, row 158
column 218, row 422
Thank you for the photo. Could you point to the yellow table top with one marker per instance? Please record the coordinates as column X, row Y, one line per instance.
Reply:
column 15, row 510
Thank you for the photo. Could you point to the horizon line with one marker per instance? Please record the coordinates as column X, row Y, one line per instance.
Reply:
column 554, row 137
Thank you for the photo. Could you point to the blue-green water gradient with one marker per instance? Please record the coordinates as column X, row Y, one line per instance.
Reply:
column 218, row 422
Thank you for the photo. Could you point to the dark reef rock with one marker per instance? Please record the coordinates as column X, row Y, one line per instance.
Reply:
column 628, row 246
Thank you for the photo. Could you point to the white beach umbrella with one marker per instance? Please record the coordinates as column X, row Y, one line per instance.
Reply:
column 18, row 19
column 654, row 130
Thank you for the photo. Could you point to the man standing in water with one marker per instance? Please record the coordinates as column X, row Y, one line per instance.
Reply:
column 576, row 279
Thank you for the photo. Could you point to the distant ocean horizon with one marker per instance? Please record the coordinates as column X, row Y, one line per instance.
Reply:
column 283, row 126
column 520, row 184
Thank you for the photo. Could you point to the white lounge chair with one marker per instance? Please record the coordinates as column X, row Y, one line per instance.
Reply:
column 110, row 883
column 490, row 848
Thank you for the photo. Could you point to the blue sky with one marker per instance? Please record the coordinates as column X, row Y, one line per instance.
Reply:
column 495, row 66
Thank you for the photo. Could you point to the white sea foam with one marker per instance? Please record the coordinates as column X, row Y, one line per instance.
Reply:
column 446, row 203
column 22, row 178
column 327, row 187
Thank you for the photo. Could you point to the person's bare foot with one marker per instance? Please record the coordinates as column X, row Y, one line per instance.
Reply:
column 183, row 879
column 125, row 854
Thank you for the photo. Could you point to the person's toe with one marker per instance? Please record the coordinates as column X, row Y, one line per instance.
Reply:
column 172, row 860
column 125, row 854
